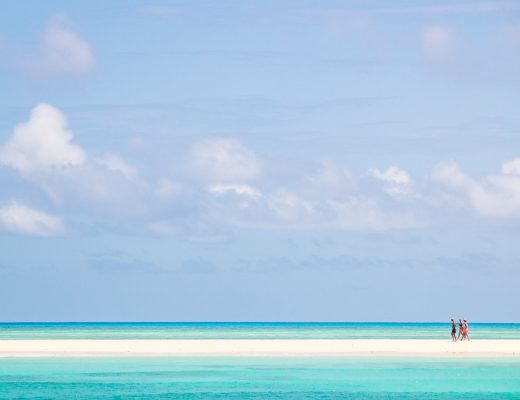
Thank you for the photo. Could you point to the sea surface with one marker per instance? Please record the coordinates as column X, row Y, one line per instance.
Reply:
column 251, row 330
column 241, row 377
column 260, row 378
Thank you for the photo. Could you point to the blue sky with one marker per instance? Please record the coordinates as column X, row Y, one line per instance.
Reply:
column 278, row 160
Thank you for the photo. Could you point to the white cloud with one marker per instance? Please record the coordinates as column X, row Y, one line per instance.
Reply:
column 492, row 196
column 42, row 149
column 398, row 181
column 242, row 190
column 41, row 143
column 511, row 167
column 438, row 42
column 450, row 174
column 19, row 218
column 245, row 192
column 62, row 51
column 224, row 160
column 331, row 198
column 115, row 163
column 391, row 175
column 290, row 207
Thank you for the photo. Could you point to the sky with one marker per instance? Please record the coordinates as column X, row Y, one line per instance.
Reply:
column 259, row 160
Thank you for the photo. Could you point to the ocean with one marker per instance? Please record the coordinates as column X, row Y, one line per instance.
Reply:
column 258, row 377
column 251, row 330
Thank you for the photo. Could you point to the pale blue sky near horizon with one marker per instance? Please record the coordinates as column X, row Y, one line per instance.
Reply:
column 259, row 161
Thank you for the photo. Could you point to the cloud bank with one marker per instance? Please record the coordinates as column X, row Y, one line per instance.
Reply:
column 219, row 183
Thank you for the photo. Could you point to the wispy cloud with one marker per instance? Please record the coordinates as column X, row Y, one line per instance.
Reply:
column 238, row 189
column 438, row 42
column 60, row 52
column 224, row 160
column 115, row 163
column 398, row 181
column 492, row 196
column 19, row 218
column 392, row 174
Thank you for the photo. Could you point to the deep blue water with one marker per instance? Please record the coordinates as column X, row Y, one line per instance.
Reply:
column 247, row 330
column 260, row 378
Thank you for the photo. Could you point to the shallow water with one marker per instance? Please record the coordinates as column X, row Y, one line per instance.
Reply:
column 246, row 330
column 260, row 378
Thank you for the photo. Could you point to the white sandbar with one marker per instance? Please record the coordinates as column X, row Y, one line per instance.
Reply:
column 60, row 348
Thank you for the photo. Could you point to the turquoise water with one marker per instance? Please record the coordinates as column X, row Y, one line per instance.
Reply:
column 246, row 330
column 257, row 377
column 260, row 378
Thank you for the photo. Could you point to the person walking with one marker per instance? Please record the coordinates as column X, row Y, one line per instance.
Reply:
column 461, row 330
column 466, row 329
column 453, row 330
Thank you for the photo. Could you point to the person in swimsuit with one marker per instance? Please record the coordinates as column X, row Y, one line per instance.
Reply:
column 461, row 330
column 466, row 329
column 453, row 330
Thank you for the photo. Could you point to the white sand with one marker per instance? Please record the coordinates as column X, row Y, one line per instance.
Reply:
column 47, row 348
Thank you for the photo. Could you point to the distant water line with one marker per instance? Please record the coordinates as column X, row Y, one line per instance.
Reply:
column 250, row 330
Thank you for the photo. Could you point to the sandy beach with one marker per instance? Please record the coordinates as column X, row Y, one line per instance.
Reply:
column 49, row 348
